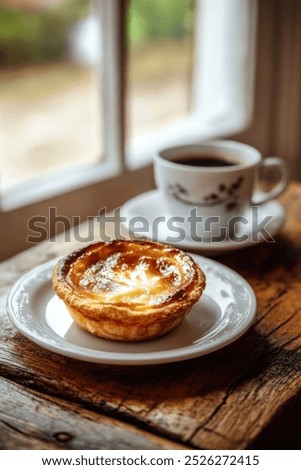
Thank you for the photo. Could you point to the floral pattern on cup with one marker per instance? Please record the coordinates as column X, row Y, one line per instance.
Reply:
column 224, row 194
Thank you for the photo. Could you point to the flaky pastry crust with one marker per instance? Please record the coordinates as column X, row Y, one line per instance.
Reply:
column 128, row 290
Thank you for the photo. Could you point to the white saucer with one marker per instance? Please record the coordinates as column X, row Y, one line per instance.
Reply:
column 141, row 217
column 224, row 312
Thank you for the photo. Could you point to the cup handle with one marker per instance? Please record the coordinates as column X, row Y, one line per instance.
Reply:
column 272, row 162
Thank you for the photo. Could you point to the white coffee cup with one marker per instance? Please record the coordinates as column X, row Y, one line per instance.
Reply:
column 214, row 182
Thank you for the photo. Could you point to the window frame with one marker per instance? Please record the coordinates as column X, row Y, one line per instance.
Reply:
column 139, row 153
column 118, row 160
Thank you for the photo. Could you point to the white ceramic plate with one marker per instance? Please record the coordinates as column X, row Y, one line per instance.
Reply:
column 148, row 208
column 224, row 312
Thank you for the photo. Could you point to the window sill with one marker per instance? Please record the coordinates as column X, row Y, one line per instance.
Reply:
column 144, row 147
column 54, row 184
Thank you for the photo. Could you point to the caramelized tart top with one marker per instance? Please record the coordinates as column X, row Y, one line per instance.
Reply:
column 141, row 274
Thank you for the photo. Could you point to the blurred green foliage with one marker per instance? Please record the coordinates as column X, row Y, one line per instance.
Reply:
column 37, row 36
column 40, row 36
column 159, row 19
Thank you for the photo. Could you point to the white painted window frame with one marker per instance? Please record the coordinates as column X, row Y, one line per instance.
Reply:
column 222, row 98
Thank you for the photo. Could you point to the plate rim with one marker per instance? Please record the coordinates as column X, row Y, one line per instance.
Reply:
column 209, row 248
column 132, row 358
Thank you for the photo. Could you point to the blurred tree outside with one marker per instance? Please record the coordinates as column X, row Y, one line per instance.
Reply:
column 150, row 19
column 34, row 32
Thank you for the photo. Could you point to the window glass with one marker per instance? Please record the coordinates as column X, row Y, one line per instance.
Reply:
column 159, row 63
column 50, row 57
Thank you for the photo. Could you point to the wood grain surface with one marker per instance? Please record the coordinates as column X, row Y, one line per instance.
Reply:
column 246, row 395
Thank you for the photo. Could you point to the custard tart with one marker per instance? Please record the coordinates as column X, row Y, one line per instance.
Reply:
column 128, row 290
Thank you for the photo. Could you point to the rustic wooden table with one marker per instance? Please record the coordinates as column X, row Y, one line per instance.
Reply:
column 247, row 395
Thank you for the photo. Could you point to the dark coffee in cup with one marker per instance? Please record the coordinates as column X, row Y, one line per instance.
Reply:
column 210, row 161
